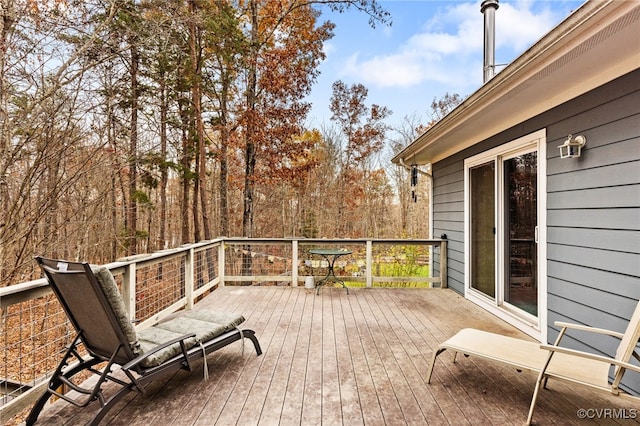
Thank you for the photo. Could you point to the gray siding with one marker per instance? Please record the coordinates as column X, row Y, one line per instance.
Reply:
column 593, row 215
column 448, row 218
column 593, row 210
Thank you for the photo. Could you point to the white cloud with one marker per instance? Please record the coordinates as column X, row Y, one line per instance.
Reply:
column 328, row 48
column 394, row 70
column 518, row 27
column 449, row 44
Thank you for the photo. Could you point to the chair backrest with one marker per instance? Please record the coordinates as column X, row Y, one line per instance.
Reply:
column 629, row 341
column 94, row 306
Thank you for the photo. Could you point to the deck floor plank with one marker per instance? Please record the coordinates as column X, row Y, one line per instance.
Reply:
column 367, row 395
column 267, row 381
column 347, row 359
column 387, row 399
column 349, row 395
column 330, row 395
column 277, row 386
column 409, row 357
column 237, row 399
column 386, row 340
column 294, row 392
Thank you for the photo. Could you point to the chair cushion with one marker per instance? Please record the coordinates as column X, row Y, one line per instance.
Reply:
column 154, row 336
column 206, row 325
column 228, row 321
column 108, row 283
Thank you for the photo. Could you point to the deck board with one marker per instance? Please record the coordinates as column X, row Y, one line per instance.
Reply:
column 347, row 359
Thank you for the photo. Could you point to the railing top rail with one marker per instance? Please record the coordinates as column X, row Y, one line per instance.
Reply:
column 333, row 240
column 141, row 259
column 150, row 257
column 15, row 293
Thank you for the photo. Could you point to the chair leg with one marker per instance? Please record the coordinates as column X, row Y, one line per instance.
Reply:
column 433, row 363
column 104, row 409
column 250, row 334
column 37, row 408
column 58, row 376
column 534, row 398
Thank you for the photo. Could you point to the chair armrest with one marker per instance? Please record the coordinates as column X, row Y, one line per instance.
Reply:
column 589, row 329
column 608, row 360
column 134, row 362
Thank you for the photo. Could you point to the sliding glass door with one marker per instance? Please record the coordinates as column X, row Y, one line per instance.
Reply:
column 502, row 226
column 483, row 235
column 520, row 180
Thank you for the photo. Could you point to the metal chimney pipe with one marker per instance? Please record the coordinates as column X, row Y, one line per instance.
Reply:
column 488, row 9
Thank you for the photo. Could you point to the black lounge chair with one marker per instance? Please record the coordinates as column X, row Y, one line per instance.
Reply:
column 92, row 302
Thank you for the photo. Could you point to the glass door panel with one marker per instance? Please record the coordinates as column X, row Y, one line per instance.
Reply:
column 482, row 237
column 521, row 220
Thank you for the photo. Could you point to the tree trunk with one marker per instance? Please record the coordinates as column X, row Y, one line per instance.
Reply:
column 250, row 148
column 195, row 37
column 224, row 172
column 6, row 22
column 164, row 170
column 132, row 211
column 225, row 136
column 184, row 208
column 196, row 194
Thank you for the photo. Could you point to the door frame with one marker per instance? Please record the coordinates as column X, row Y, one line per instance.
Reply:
column 535, row 327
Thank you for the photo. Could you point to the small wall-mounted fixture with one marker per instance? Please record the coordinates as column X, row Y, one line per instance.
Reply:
column 572, row 147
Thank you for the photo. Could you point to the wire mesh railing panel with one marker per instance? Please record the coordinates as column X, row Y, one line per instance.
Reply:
column 205, row 267
column 35, row 333
column 409, row 262
column 159, row 286
column 269, row 262
column 349, row 267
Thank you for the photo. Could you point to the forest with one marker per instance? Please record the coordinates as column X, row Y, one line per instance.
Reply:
column 129, row 126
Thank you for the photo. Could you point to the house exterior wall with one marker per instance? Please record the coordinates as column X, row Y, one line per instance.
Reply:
column 593, row 210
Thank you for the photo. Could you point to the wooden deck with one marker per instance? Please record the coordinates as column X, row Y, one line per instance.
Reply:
column 349, row 359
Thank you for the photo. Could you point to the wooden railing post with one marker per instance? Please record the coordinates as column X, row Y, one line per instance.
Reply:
column 443, row 264
column 129, row 290
column 369, row 263
column 294, row 263
column 221, row 263
column 189, row 268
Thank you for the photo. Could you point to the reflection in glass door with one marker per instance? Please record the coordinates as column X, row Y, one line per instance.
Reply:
column 521, row 220
column 483, row 238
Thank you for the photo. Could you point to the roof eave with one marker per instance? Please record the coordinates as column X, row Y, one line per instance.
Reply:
column 544, row 76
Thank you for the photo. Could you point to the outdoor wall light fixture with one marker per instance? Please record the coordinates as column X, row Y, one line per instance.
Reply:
column 572, row 147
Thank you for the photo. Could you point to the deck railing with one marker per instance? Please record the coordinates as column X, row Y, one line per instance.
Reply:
column 35, row 330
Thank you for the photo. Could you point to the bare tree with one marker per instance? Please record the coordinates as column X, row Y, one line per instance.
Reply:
column 363, row 130
column 45, row 149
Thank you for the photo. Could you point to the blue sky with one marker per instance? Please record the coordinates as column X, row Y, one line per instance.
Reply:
column 433, row 47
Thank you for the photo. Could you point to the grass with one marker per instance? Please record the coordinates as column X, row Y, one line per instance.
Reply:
column 394, row 269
